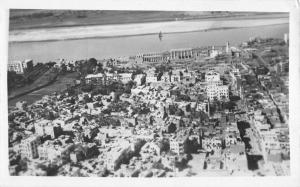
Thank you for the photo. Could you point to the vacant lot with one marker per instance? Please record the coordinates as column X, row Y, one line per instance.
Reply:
column 59, row 85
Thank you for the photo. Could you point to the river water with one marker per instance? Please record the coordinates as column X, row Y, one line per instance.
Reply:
column 44, row 51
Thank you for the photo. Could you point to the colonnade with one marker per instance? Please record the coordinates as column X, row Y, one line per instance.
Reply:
column 181, row 54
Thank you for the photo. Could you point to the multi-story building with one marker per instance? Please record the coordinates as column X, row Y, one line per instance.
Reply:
column 95, row 78
column 214, row 53
column 51, row 151
column 114, row 158
column 211, row 143
column 176, row 145
column 46, row 127
column 217, row 92
column 165, row 77
column 175, row 78
column 138, row 79
column 151, row 77
column 20, row 66
column 212, row 77
column 16, row 66
column 28, row 147
column 107, row 78
column 214, row 86
column 111, row 77
column 125, row 77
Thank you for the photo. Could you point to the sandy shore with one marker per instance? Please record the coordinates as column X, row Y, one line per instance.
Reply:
column 80, row 32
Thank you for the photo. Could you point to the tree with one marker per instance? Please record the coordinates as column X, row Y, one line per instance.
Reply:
column 143, row 80
column 188, row 108
column 71, row 91
column 92, row 61
column 63, row 68
column 230, row 105
column 164, row 145
column 179, row 112
column 190, row 146
column 87, row 88
column 129, row 86
column 172, row 109
column 172, row 128
column 87, row 99
column 235, row 98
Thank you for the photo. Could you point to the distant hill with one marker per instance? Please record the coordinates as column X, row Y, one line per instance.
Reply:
column 27, row 18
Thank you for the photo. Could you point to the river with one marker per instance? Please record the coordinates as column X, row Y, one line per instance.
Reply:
column 117, row 46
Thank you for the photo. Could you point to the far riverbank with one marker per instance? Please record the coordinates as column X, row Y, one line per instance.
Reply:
column 107, row 31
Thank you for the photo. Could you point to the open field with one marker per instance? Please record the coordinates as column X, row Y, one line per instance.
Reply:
column 45, row 79
column 59, row 85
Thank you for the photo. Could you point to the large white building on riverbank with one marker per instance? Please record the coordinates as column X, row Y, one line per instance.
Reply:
column 19, row 66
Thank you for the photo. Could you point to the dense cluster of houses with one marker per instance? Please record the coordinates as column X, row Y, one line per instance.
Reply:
column 156, row 129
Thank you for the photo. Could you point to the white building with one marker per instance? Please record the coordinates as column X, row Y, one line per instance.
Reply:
column 45, row 127
column 212, row 76
column 176, row 146
column 151, row 77
column 219, row 92
column 111, row 77
column 16, row 66
column 214, row 53
column 50, row 151
column 175, row 77
column 125, row 77
column 165, row 77
column 95, row 78
column 28, row 147
column 114, row 157
column 215, row 87
column 211, row 143
column 138, row 79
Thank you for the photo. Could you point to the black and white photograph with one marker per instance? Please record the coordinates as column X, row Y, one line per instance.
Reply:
column 107, row 93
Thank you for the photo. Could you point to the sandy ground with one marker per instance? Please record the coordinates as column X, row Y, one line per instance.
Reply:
column 80, row 32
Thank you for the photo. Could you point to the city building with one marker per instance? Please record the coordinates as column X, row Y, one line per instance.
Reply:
column 46, row 127
column 217, row 92
column 214, row 86
column 29, row 147
column 151, row 77
column 138, row 79
column 95, row 78
column 20, row 66
column 125, row 77
column 176, row 145
column 212, row 77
